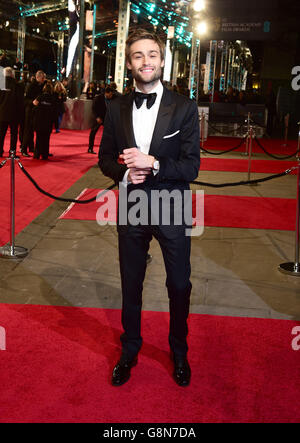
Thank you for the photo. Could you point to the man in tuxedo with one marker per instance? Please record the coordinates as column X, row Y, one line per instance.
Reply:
column 33, row 90
column 154, row 132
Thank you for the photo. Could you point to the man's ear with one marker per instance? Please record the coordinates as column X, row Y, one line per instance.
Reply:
column 162, row 64
column 128, row 65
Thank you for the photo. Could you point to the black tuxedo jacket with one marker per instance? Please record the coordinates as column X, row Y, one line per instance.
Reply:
column 175, row 143
column 11, row 101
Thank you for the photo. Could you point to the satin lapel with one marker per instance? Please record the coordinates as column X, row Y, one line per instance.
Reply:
column 163, row 120
column 126, row 119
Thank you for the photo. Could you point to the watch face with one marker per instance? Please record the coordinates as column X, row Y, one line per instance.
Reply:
column 156, row 164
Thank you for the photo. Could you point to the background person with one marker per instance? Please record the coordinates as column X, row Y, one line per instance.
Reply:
column 43, row 119
column 60, row 96
column 99, row 112
column 11, row 105
column 34, row 89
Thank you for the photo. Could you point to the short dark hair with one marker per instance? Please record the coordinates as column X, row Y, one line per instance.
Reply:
column 143, row 34
column 108, row 89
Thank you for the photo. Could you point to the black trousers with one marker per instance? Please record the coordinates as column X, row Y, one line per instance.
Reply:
column 133, row 248
column 93, row 133
column 13, row 134
column 21, row 129
column 42, row 144
column 28, row 135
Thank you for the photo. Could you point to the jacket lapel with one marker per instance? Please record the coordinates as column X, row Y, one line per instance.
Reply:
column 126, row 119
column 163, row 120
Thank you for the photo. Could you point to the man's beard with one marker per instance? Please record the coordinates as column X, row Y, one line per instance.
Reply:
column 138, row 77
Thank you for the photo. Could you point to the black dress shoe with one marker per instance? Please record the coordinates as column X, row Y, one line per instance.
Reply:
column 121, row 372
column 90, row 151
column 25, row 154
column 182, row 371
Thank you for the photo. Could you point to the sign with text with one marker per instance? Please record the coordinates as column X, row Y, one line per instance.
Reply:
column 242, row 29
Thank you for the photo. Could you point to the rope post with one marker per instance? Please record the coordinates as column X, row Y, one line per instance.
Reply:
column 248, row 134
column 294, row 268
column 298, row 146
column 286, row 129
column 202, row 129
column 12, row 251
column 251, row 135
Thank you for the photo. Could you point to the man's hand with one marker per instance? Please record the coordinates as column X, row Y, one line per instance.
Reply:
column 133, row 158
column 137, row 176
column 99, row 120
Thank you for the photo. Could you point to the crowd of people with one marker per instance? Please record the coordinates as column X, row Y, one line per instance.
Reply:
column 233, row 95
column 36, row 105
column 32, row 106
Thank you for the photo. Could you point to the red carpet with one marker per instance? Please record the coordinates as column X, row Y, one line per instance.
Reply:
column 274, row 146
column 69, row 163
column 219, row 210
column 241, row 165
column 58, row 361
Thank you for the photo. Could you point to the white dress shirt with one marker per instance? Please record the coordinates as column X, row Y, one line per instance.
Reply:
column 144, row 120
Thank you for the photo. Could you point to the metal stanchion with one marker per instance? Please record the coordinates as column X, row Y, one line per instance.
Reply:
column 294, row 268
column 248, row 134
column 298, row 146
column 250, row 144
column 202, row 130
column 12, row 251
column 286, row 129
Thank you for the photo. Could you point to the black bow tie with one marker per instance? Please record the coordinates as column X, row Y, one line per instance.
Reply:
column 139, row 97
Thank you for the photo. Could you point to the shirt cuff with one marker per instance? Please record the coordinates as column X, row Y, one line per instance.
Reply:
column 125, row 180
column 156, row 171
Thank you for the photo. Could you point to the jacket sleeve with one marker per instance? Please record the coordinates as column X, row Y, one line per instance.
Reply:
column 186, row 167
column 108, row 152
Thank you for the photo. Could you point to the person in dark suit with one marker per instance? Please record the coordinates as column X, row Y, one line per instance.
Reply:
column 11, row 104
column 34, row 89
column 99, row 111
column 155, row 133
column 43, row 119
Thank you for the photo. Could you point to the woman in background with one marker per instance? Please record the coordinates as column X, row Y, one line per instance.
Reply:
column 60, row 96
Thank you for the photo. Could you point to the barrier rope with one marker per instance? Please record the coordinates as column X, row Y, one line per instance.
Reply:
column 68, row 200
column 228, row 150
column 225, row 132
column 246, row 182
column 272, row 155
column 221, row 185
